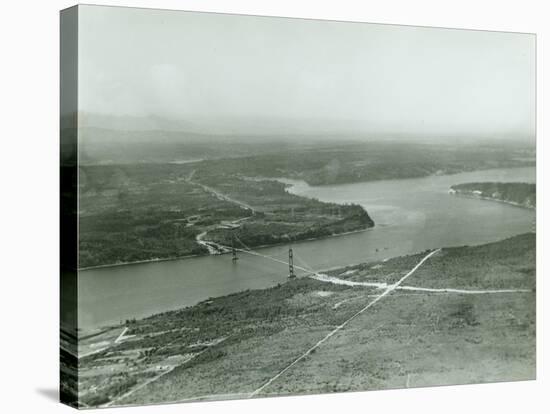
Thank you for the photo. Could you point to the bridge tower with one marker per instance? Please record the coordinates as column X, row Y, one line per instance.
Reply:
column 291, row 274
column 234, row 257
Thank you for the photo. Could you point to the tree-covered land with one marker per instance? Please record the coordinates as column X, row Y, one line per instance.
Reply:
column 138, row 212
column 143, row 212
column 281, row 217
column 359, row 162
column 234, row 344
column 521, row 194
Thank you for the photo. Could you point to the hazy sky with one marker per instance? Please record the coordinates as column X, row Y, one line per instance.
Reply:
column 242, row 74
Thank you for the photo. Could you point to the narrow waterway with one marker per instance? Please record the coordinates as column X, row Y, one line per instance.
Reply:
column 411, row 215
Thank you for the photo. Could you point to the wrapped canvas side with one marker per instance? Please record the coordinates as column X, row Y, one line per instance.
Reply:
column 69, row 206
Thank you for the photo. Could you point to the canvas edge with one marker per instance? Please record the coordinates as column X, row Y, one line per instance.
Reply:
column 68, row 182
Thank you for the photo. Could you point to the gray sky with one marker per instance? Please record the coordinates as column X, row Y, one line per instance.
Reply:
column 242, row 74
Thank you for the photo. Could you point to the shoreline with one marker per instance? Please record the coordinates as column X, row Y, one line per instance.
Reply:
column 89, row 332
column 92, row 331
column 435, row 174
column 290, row 185
column 193, row 256
column 301, row 314
column 498, row 200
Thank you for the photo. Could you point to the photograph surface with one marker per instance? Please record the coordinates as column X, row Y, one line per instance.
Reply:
column 272, row 206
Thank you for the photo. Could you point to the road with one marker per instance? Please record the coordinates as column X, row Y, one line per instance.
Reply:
column 387, row 291
column 222, row 196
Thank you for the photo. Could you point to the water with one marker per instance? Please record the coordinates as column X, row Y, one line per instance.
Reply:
column 411, row 215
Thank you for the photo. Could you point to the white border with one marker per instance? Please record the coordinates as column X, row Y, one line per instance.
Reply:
column 29, row 136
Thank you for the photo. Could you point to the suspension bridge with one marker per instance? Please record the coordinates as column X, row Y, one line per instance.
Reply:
column 385, row 288
column 309, row 271
column 290, row 263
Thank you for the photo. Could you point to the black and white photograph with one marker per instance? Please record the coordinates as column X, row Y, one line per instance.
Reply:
column 271, row 206
column 247, row 203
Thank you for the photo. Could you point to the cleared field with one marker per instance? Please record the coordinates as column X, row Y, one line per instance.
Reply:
column 422, row 340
